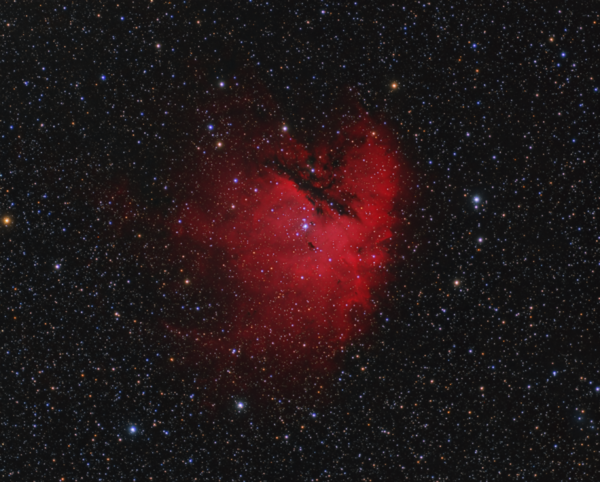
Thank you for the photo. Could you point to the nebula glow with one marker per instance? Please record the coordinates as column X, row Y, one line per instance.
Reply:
column 292, row 245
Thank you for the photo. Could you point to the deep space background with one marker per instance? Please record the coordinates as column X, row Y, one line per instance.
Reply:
column 483, row 364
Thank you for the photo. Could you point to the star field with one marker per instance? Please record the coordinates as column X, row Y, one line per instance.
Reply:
column 480, row 358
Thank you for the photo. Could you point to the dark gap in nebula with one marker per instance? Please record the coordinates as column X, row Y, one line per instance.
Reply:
column 315, row 194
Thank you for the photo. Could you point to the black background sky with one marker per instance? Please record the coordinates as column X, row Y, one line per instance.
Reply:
column 496, row 378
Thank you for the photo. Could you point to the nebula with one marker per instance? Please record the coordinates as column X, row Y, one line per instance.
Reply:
column 290, row 244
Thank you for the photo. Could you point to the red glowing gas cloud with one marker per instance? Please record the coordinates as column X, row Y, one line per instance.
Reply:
column 291, row 244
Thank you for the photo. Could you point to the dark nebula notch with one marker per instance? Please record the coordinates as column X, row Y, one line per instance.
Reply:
column 291, row 244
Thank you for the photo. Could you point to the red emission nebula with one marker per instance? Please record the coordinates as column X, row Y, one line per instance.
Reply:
column 291, row 245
